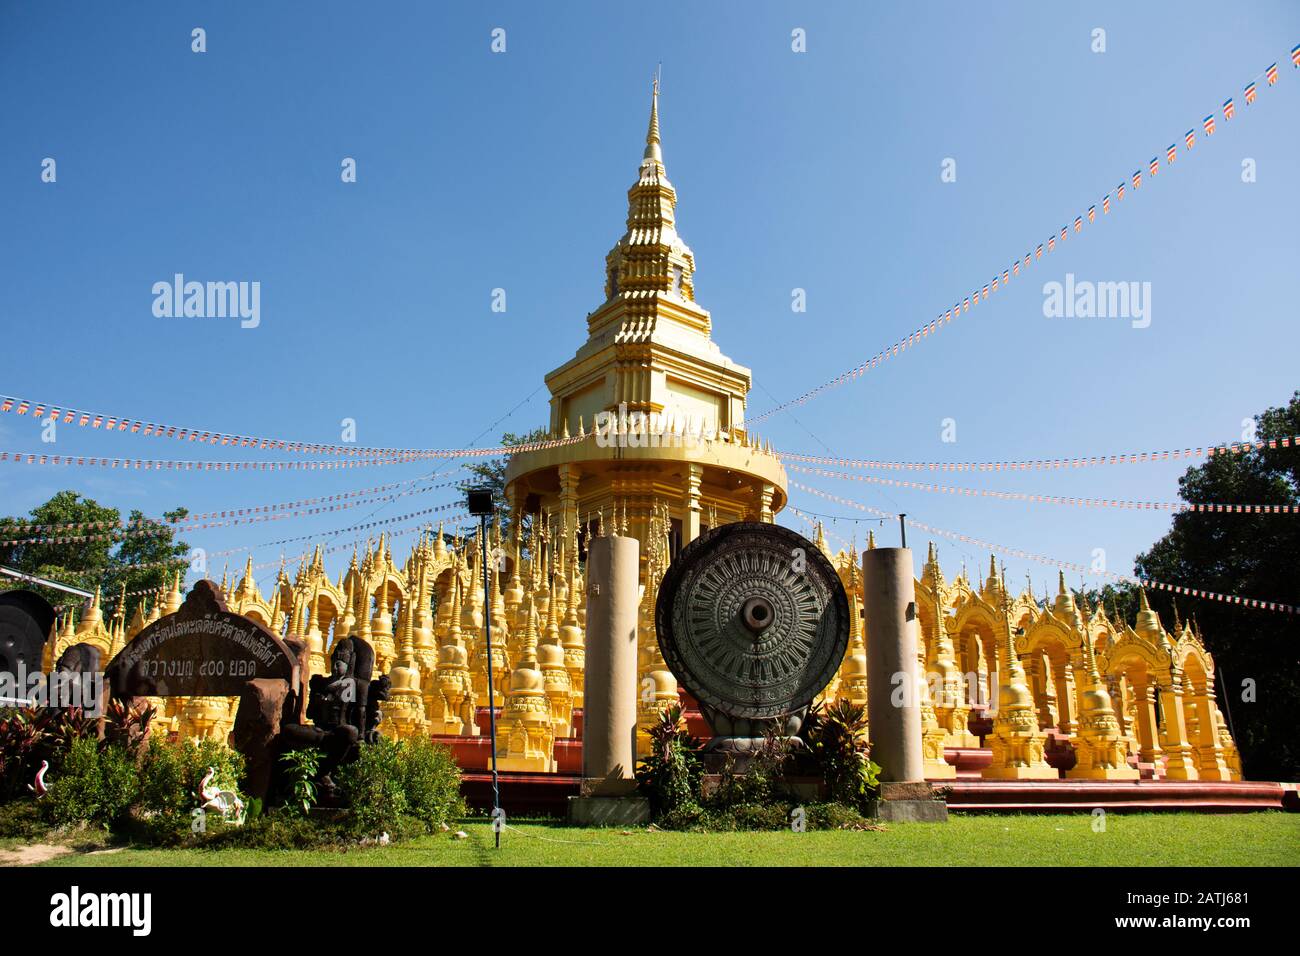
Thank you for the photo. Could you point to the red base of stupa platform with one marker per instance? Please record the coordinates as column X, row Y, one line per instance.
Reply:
column 972, row 795
column 546, row 794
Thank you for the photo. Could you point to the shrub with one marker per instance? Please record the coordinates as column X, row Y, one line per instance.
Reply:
column 128, row 727
column 22, row 735
column 162, row 780
column 762, row 783
column 837, row 739
column 300, row 770
column 431, row 782
column 372, row 785
column 64, row 728
column 171, row 773
column 93, row 786
column 400, row 788
column 274, row 831
column 670, row 776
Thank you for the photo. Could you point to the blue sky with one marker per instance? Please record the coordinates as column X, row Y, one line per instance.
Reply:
column 816, row 170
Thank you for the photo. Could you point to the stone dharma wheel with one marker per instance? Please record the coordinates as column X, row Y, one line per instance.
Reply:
column 754, row 622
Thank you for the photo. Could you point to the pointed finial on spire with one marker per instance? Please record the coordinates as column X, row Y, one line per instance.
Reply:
column 652, row 150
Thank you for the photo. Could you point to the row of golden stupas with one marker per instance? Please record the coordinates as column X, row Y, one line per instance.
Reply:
column 1053, row 675
column 1076, row 678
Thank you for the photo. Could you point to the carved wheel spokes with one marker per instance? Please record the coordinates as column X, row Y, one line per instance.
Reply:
column 753, row 620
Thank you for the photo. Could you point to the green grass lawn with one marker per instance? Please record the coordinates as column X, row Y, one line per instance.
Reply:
column 1251, row 839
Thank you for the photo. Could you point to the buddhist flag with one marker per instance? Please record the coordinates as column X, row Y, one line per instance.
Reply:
column 1078, row 223
column 1155, row 164
column 6, row 405
column 1092, row 213
column 1171, row 152
column 1051, row 243
column 1271, row 74
column 1137, row 179
column 1295, row 56
column 1250, row 93
column 1105, row 204
column 1039, row 253
column 1064, row 229
column 1190, row 138
column 1120, row 190
column 1208, row 123
column 1228, row 109
column 1006, row 276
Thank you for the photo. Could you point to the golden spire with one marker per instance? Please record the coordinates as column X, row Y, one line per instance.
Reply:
column 652, row 144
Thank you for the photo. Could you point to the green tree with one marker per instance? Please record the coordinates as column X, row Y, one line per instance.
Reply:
column 109, row 560
column 1252, row 555
column 492, row 474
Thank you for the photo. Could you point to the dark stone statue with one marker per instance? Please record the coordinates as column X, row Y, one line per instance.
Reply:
column 343, row 708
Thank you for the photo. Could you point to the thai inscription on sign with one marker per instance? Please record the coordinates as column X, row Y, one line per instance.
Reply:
column 203, row 650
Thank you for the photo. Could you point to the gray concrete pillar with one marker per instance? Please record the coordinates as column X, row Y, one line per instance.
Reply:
column 889, row 607
column 609, row 704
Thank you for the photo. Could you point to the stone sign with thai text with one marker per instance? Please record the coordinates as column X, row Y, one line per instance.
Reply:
column 203, row 650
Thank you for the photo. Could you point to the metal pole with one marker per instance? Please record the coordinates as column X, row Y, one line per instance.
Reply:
column 44, row 582
column 902, row 527
column 492, row 714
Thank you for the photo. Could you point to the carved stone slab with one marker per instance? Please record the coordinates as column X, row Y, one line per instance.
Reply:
column 203, row 650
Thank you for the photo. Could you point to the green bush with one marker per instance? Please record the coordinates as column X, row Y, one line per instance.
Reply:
column 837, row 738
column 93, row 786
column 431, row 782
column 372, row 785
column 400, row 788
column 22, row 736
column 170, row 774
column 670, row 776
column 275, row 830
column 300, row 770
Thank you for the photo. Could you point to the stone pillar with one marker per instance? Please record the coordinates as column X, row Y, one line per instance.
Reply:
column 765, row 493
column 691, row 504
column 895, row 676
column 609, row 716
column 889, row 603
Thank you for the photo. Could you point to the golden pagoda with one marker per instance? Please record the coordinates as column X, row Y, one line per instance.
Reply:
column 659, row 409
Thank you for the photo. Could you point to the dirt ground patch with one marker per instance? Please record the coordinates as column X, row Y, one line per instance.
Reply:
column 32, row 854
